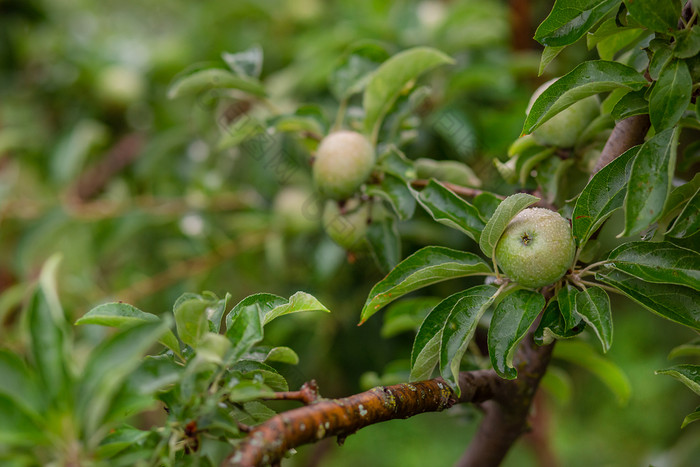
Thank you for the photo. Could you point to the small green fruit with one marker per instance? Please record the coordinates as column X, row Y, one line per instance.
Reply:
column 295, row 210
column 344, row 161
column 537, row 248
column 564, row 128
column 347, row 228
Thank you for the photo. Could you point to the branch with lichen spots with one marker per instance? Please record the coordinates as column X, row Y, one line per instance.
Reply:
column 268, row 442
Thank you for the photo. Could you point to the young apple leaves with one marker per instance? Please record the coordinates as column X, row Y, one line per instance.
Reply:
column 657, row 15
column 658, row 262
column 459, row 328
column 670, row 95
column 497, row 224
column 213, row 78
column 687, row 374
column 650, row 181
column 397, row 193
column 570, row 20
column 457, row 315
column 593, row 305
column 674, row 302
column 109, row 365
column 688, row 221
column 449, row 209
column 270, row 306
column 425, row 267
column 585, row 80
column 122, row 315
column 388, row 81
column 567, row 305
column 511, row 320
column 604, row 194
column 553, row 326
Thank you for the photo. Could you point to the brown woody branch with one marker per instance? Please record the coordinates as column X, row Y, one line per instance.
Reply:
column 270, row 441
column 504, row 401
column 626, row 134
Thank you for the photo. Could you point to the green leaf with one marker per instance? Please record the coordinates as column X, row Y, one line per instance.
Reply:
column 299, row 302
column 650, row 181
column 19, row 384
column 454, row 172
column 426, row 350
column 657, row 15
column 619, row 41
column 407, row 315
column 213, row 78
column 449, row 209
column 120, row 439
column 511, row 321
column 603, row 194
column 593, row 305
column 687, row 43
column 570, row 20
column 658, row 262
column 585, row 80
column 679, row 197
column 567, row 305
column 122, row 315
column 662, row 52
column 548, row 54
column 632, row 103
column 611, row 375
column 355, row 68
column 691, row 417
column 262, row 303
column 688, row 221
column 486, row 203
column 245, row 330
column 553, row 326
column 282, row 355
column 50, row 348
column 497, row 224
column 686, row 374
column 108, row 366
column 670, row 95
column 191, row 320
column 246, row 63
column 425, row 267
column 689, row 349
column 389, row 80
column 384, row 242
column 458, row 329
column 17, row 428
column 393, row 161
column 396, row 191
column 673, row 302
column 240, row 131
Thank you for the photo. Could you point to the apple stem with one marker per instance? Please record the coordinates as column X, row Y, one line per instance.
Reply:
column 591, row 266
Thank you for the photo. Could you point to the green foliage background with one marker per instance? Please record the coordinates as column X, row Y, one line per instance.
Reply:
column 182, row 215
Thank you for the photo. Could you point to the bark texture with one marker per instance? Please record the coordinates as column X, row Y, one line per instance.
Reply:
column 268, row 442
column 626, row 134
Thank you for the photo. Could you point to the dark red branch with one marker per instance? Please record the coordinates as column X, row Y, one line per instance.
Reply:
column 308, row 394
column 269, row 441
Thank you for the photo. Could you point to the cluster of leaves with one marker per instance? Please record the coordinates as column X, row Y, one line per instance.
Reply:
column 661, row 273
column 68, row 404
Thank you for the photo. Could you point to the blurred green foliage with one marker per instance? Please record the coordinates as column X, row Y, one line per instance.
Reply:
column 98, row 164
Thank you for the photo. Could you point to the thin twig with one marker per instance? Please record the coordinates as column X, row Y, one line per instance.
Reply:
column 458, row 189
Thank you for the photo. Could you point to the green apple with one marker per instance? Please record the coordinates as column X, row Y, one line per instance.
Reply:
column 537, row 248
column 344, row 161
column 294, row 210
column 347, row 227
column 564, row 128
